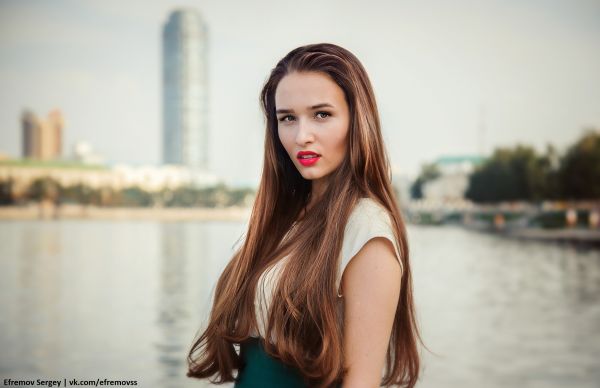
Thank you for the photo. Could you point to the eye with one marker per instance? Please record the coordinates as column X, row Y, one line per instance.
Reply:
column 325, row 114
column 283, row 118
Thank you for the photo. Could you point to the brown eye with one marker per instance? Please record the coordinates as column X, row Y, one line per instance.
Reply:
column 283, row 118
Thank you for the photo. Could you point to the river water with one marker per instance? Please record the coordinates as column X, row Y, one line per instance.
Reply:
column 122, row 300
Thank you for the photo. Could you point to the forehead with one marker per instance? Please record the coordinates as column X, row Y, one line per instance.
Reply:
column 303, row 89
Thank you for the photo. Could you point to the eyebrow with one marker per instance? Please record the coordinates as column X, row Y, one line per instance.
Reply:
column 322, row 105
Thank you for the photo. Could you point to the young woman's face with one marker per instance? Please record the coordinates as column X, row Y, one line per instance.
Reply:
column 313, row 116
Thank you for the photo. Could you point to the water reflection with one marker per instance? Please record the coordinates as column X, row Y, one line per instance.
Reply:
column 102, row 299
column 172, row 298
column 506, row 312
column 37, row 287
column 189, row 267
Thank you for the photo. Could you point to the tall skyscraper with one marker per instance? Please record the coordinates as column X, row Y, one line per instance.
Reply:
column 42, row 139
column 185, row 90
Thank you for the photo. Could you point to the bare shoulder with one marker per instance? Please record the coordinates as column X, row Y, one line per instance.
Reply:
column 372, row 287
column 374, row 266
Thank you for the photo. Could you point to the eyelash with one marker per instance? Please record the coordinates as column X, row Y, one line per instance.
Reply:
column 282, row 119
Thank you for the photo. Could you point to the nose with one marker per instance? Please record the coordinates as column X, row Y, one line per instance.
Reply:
column 305, row 132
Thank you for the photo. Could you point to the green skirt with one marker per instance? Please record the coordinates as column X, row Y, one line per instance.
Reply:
column 260, row 370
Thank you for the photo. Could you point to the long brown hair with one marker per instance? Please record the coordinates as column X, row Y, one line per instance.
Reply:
column 304, row 316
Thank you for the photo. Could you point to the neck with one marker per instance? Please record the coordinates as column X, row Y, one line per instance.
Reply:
column 317, row 189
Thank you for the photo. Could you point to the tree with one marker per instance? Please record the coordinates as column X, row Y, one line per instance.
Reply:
column 6, row 192
column 428, row 173
column 511, row 174
column 580, row 168
column 44, row 188
column 135, row 196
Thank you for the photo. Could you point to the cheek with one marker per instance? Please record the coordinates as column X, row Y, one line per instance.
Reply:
column 337, row 141
column 285, row 139
column 281, row 135
column 340, row 148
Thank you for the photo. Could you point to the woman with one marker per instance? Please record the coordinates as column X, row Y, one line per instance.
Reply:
column 325, row 198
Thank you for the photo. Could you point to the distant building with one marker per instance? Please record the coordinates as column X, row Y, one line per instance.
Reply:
column 454, row 178
column 116, row 177
column 185, row 90
column 83, row 152
column 401, row 182
column 42, row 139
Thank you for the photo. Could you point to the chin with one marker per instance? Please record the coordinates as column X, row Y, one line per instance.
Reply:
column 311, row 176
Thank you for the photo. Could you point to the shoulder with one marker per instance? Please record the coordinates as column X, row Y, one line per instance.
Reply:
column 370, row 231
column 371, row 288
column 367, row 210
column 368, row 220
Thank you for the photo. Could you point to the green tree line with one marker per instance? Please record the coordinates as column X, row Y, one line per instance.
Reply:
column 520, row 173
column 46, row 188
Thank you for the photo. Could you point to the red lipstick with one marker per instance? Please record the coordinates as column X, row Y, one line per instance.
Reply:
column 307, row 158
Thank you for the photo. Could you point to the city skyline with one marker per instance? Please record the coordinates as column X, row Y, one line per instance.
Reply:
column 448, row 78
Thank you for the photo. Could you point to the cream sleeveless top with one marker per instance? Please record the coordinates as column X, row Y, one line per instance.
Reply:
column 367, row 220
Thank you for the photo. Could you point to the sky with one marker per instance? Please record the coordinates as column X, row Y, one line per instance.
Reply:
column 450, row 77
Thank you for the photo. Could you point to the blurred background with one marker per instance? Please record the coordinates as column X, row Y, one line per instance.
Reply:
column 131, row 145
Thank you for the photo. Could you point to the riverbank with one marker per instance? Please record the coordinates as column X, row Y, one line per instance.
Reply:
column 72, row 211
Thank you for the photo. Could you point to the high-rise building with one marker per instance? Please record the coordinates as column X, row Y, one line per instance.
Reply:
column 185, row 90
column 42, row 139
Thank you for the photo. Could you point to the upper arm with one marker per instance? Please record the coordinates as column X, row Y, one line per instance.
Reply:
column 371, row 287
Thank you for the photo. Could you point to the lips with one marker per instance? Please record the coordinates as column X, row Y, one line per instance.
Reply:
column 307, row 158
column 306, row 153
